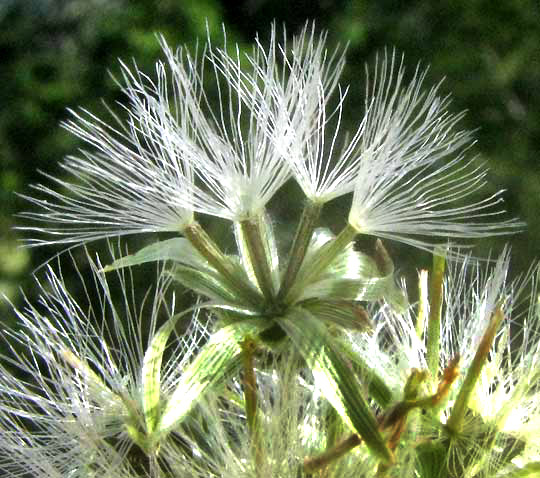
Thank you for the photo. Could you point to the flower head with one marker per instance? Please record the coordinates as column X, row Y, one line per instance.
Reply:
column 413, row 167
column 323, row 168
column 71, row 380
column 174, row 153
column 502, row 405
column 96, row 389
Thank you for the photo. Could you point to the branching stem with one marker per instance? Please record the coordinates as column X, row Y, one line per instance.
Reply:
column 315, row 463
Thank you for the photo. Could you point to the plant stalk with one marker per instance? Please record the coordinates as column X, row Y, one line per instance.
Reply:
column 434, row 319
column 455, row 422
column 325, row 255
column 306, row 226
column 423, row 305
column 315, row 463
column 249, row 381
column 258, row 257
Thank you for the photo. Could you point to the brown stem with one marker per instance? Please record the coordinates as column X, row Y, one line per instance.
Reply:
column 249, row 381
column 315, row 463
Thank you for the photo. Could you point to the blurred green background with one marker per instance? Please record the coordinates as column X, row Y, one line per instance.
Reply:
column 56, row 54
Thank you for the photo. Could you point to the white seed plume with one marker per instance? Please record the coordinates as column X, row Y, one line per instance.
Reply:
column 71, row 378
column 506, row 395
column 413, row 176
column 237, row 164
column 173, row 154
column 177, row 153
column 325, row 168
column 132, row 179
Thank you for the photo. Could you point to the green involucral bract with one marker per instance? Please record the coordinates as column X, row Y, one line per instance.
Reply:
column 217, row 360
column 333, row 375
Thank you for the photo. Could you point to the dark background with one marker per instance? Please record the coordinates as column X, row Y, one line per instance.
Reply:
column 58, row 54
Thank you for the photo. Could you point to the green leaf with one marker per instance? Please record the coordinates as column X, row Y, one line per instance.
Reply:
column 338, row 383
column 177, row 249
column 220, row 356
column 344, row 313
column 95, row 384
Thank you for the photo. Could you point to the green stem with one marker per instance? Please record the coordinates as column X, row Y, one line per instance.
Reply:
column 434, row 320
column 455, row 422
column 258, row 257
column 308, row 221
column 206, row 246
